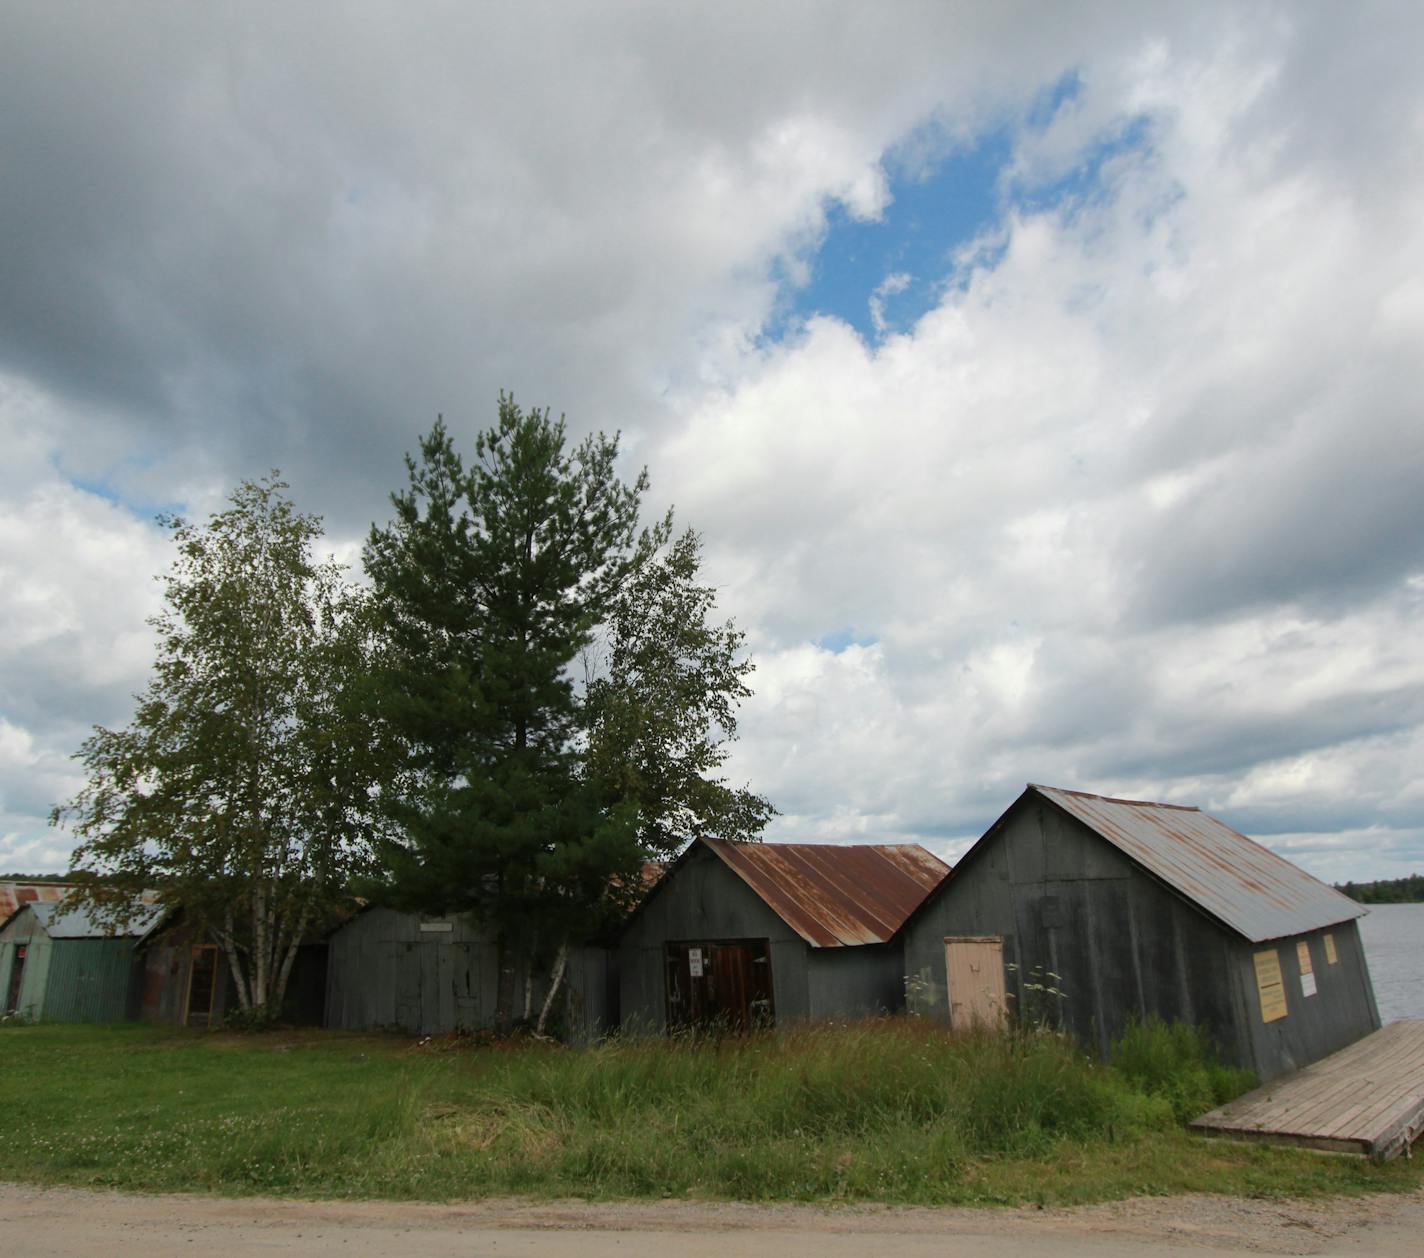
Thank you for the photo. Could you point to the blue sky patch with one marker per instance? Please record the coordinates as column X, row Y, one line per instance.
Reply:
column 881, row 277
column 105, row 489
column 842, row 639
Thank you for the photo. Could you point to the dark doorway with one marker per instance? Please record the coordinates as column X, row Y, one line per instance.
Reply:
column 719, row 984
column 17, row 973
column 202, row 985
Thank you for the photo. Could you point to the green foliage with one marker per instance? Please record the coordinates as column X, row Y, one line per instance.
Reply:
column 239, row 788
column 250, row 1021
column 513, row 796
column 1407, row 890
column 891, row 1110
column 662, row 711
column 488, row 584
column 1179, row 1063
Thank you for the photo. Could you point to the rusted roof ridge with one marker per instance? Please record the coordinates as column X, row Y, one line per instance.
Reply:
column 875, row 900
column 1243, row 884
column 792, row 892
column 836, row 895
column 822, row 912
column 14, row 893
column 919, row 864
column 1249, row 857
column 1112, row 799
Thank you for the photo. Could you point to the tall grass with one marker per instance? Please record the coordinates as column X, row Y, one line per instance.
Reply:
column 894, row 1111
column 1178, row 1063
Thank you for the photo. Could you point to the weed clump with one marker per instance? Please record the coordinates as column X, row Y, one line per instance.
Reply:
column 1178, row 1063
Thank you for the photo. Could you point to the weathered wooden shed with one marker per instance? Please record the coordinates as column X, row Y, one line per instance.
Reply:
column 1131, row 908
column 434, row 975
column 59, row 964
column 185, row 978
column 741, row 934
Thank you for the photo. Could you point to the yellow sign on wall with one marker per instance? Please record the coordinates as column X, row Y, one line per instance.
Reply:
column 1270, row 986
column 1330, row 956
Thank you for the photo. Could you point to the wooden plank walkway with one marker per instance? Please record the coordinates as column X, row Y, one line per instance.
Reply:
column 1368, row 1098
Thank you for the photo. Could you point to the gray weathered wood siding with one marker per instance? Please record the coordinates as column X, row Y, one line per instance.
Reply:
column 383, row 970
column 1342, row 1010
column 855, row 982
column 1069, row 904
column 701, row 899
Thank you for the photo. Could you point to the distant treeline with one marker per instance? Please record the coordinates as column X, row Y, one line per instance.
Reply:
column 34, row 877
column 1408, row 890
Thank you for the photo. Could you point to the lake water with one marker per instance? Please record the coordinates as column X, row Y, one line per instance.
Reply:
column 1394, row 944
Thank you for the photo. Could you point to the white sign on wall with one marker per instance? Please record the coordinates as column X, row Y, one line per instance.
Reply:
column 694, row 962
column 1307, row 971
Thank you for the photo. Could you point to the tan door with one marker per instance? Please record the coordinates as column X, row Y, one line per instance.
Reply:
column 974, row 965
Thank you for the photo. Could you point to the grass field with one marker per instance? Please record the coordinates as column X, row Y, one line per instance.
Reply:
column 890, row 1111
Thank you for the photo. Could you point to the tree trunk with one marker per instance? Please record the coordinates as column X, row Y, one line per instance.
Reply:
column 279, row 994
column 260, row 978
column 529, row 979
column 229, row 946
column 504, row 983
column 556, row 980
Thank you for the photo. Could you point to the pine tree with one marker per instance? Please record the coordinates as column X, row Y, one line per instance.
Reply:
column 488, row 584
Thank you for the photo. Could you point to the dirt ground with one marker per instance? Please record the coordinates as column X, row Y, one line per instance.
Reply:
column 64, row 1223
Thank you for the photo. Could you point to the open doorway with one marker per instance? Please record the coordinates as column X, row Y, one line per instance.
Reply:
column 202, row 986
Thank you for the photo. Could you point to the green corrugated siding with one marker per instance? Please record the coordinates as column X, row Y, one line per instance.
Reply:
column 88, row 980
column 35, row 984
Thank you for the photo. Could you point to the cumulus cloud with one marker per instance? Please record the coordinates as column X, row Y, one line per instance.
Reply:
column 1134, row 506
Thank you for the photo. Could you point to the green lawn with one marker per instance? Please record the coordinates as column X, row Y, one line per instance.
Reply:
column 891, row 1111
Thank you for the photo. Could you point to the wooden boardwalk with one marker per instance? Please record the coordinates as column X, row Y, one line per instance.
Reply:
column 1368, row 1098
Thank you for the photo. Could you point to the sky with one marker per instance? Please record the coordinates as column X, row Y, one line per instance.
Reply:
column 1044, row 380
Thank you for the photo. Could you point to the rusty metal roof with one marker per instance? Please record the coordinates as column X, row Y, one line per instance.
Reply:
column 14, row 894
column 836, row 895
column 1246, row 886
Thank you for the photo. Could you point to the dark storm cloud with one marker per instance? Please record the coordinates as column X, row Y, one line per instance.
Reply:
column 289, row 235
column 1137, row 507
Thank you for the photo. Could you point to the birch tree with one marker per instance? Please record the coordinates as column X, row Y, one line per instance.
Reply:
column 241, row 790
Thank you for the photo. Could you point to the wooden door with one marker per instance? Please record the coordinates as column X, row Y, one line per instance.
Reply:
column 719, row 984
column 974, row 966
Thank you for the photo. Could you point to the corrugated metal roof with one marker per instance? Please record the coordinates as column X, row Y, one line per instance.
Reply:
column 14, row 894
column 1248, row 887
column 79, row 922
column 835, row 895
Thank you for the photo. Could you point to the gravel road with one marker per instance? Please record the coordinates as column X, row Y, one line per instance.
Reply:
column 65, row 1223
